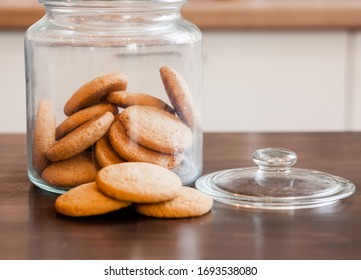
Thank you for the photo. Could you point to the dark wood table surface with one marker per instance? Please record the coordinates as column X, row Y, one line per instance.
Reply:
column 31, row 229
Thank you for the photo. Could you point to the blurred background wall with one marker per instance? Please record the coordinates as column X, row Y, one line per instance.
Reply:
column 268, row 65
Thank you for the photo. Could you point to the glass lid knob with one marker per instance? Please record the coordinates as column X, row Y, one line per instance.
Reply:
column 274, row 160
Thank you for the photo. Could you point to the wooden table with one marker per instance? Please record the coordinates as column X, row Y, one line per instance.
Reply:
column 31, row 229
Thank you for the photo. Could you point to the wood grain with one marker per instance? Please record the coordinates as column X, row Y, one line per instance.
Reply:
column 227, row 14
column 31, row 229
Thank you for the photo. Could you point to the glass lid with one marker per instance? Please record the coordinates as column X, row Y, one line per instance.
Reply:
column 275, row 184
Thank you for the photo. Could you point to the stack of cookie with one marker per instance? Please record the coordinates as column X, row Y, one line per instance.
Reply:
column 95, row 135
column 154, row 190
column 146, row 130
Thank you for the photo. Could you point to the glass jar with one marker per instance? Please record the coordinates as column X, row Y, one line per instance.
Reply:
column 112, row 81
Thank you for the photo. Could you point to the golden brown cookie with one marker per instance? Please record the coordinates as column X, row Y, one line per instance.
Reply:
column 95, row 91
column 125, row 99
column 81, row 138
column 179, row 95
column 156, row 129
column 105, row 154
column 82, row 116
column 44, row 135
column 132, row 151
column 86, row 200
column 189, row 203
column 71, row 172
column 138, row 182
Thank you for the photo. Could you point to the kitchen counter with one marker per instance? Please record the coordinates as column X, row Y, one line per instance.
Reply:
column 227, row 14
column 31, row 229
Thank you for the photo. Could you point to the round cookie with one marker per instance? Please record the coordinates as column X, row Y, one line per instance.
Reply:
column 125, row 99
column 132, row 151
column 44, row 135
column 81, row 138
column 86, row 200
column 156, row 129
column 189, row 203
column 179, row 95
column 95, row 91
column 71, row 172
column 82, row 116
column 138, row 182
column 105, row 154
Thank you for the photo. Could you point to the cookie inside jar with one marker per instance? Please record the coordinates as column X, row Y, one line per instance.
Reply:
column 104, row 124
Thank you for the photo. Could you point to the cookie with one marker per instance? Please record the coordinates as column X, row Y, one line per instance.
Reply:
column 132, row 151
column 179, row 95
column 125, row 99
column 156, row 129
column 138, row 182
column 44, row 135
column 189, row 203
column 81, row 138
column 95, row 91
column 86, row 200
column 82, row 116
column 71, row 172
column 105, row 154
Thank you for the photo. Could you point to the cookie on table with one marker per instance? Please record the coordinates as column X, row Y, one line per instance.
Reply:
column 105, row 153
column 81, row 138
column 156, row 129
column 71, row 172
column 189, row 203
column 138, row 182
column 125, row 99
column 95, row 91
column 77, row 119
column 86, row 200
column 179, row 96
column 132, row 151
column 44, row 135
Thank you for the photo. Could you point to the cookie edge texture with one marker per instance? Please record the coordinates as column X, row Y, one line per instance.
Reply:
column 63, row 206
column 44, row 135
column 183, row 206
column 94, row 91
column 81, row 138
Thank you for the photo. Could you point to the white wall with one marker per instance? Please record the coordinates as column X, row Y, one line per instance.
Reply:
column 12, row 82
column 253, row 81
column 275, row 81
